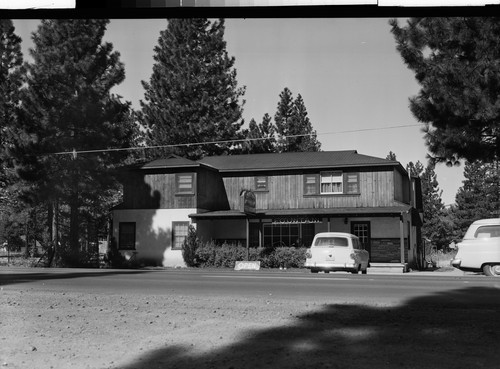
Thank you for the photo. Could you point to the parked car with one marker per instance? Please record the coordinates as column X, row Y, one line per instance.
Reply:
column 335, row 251
column 480, row 248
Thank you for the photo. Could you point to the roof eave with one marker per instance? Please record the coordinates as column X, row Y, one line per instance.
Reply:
column 262, row 169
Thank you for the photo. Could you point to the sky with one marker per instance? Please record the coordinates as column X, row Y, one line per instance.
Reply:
column 354, row 83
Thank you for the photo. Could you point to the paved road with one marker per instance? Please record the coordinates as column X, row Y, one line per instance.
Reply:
column 297, row 285
column 226, row 319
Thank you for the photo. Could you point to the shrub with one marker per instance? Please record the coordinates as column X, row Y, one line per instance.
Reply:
column 189, row 247
column 209, row 254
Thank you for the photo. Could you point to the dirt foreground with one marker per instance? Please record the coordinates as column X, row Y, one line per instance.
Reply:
column 46, row 329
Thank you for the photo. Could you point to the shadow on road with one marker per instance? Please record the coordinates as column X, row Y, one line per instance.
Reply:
column 457, row 329
column 29, row 276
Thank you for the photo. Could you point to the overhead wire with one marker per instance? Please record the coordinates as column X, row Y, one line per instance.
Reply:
column 75, row 152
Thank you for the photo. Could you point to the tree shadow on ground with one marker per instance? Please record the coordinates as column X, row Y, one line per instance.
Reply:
column 28, row 276
column 457, row 329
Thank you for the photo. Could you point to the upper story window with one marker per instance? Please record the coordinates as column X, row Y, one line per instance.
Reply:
column 184, row 183
column 261, row 183
column 311, row 184
column 351, row 182
column 331, row 183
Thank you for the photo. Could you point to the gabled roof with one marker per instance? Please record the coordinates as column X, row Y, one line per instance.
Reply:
column 172, row 161
column 294, row 160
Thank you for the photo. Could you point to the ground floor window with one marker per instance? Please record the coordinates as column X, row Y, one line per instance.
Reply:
column 291, row 235
column 179, row 234
column 126, row 236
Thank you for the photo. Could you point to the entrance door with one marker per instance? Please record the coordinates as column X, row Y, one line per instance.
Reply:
column 362, row 230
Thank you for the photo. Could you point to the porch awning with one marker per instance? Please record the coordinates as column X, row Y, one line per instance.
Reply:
column 389, row 211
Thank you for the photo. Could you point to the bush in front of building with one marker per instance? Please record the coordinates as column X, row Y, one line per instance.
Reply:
column 283, row 257
column 190, row 246
column 212, row 255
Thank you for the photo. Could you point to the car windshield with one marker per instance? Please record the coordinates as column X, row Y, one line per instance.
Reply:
column 331, row 242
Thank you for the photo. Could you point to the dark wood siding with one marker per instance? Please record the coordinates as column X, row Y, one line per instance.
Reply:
column 154, row 191
column 286, row 191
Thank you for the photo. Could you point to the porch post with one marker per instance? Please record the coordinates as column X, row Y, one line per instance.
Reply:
column 248, row 238
column 402, row 237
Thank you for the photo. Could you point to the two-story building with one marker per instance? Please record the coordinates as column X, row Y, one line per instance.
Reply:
column 292, row 197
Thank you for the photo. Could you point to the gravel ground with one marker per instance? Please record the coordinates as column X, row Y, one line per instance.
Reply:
column 46, row 329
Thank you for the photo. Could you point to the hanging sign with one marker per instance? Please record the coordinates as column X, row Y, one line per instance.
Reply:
column 249, row 202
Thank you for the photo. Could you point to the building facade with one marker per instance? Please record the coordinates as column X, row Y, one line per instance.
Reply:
column 269, row 200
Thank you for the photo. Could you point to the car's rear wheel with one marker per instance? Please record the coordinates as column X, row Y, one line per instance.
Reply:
column 492, row 270
column 314, row 270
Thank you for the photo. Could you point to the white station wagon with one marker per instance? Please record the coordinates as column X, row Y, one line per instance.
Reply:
column 334, row 251
column 480, row 248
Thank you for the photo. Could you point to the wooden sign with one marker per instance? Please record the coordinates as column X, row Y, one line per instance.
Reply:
column 247, row 265
column 249, row 202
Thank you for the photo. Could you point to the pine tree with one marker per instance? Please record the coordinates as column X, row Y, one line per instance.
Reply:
column 192, row 95
column 415, row 169
column 455, row 61
column 293, row 127
column 11, row 79
column 436, row 227
column 391, row 156
column 260, row 137
column 479, row 197
column 282, row 118
column 67, row 107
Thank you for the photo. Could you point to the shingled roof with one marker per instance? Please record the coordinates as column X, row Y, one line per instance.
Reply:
column 171, row 161
column 293, row 160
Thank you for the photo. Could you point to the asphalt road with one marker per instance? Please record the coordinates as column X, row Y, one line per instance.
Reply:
column 189, row 318
column 297, row 285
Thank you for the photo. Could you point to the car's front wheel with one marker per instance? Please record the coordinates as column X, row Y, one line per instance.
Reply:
column 492, row 270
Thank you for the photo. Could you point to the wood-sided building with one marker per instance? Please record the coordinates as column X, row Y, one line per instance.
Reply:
column 296, row 195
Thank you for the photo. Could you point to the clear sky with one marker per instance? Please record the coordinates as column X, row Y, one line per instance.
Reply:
column 354, row 83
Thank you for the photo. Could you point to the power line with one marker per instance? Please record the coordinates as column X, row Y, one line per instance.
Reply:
column 74, row 152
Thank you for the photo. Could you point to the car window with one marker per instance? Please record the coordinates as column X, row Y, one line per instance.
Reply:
column 331, row 242
column 357, row 245
column 490, row 231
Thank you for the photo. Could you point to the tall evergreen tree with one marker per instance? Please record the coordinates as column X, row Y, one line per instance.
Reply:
column 415, row 169
column 192, row 95
column 283, row 117
column 436, row 227
column 391, row 156
column 260, row 137
column 11, row 79
column 455, row 61
column 293, row 127
column 479, row 196
column 67, row 107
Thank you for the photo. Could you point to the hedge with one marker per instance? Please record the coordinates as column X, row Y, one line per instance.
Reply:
column 209, row 254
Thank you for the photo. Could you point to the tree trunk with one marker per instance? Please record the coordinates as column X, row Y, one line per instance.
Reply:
column 74, row 230
column 53, row 228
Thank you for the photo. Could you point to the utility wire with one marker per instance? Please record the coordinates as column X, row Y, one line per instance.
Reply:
column 74, row 152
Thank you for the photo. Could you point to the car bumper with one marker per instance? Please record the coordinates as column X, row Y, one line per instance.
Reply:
column 331, row 266
column 456, row 263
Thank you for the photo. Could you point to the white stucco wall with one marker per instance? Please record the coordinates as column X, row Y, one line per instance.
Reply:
column 153, row 234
